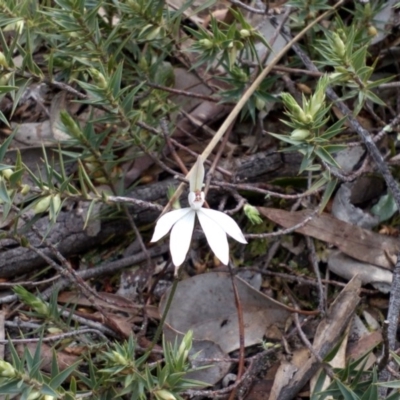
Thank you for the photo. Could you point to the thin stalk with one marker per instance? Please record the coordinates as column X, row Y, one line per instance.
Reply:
column 163, row 317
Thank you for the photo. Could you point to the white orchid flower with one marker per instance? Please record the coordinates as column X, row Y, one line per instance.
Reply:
column 216, row 225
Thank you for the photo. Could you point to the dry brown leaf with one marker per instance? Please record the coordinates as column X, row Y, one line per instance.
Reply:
column 122, row 325
column 361, row 244
column 111, row 301
column 205, row 304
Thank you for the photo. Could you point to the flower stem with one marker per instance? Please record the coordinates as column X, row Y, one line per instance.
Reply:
column 164, row 316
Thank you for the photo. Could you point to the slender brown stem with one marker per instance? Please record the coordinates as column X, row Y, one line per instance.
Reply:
column 239, row 309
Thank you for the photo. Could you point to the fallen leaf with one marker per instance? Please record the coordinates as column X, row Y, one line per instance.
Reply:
column 361, row 244
column 205, row 304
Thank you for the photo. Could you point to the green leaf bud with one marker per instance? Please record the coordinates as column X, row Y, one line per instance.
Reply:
column 238, row 45
column 338, row 45
column 35, row 394
column 300, row 134
column 292, row 106
column 260, row 103
column 372, row 31
column 185, row 346
column 42, row 205
column 25, row 189
column 3, row 61
column 163, row 394
column 98, row 78
column 5, row 78
column 245, row 33
column 119, row 358
column 153, row 33
column 6, row 369
column 252, row 214
column 206, row 43
column 7, row 173
column 17, row 26
column 70, row 124
column 40, row 306
column 318, row 98
column 56, row 202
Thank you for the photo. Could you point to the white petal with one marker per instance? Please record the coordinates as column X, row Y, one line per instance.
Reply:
column 181, row 235
column 165, row 223
column 197, row 177
column 216, row 236
column 227, row 223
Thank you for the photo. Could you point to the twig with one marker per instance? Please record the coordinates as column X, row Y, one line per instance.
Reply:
column 283, row 231
column 166, row 134
column 387, row 128
column 241, row 201
column 106, row 268
column 53, row 338
column 256, row 189
column 95, row 325
column 29, row 283
column 393, row 372
column 386, row 347
column 138, row 236
column 350, row 177
column 185, row 93
column 247, row 8
column 287, row 70
column 129, row 200
column 394, row 305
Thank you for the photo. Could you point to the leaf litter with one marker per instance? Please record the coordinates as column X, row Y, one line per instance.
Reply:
column 205, row 303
